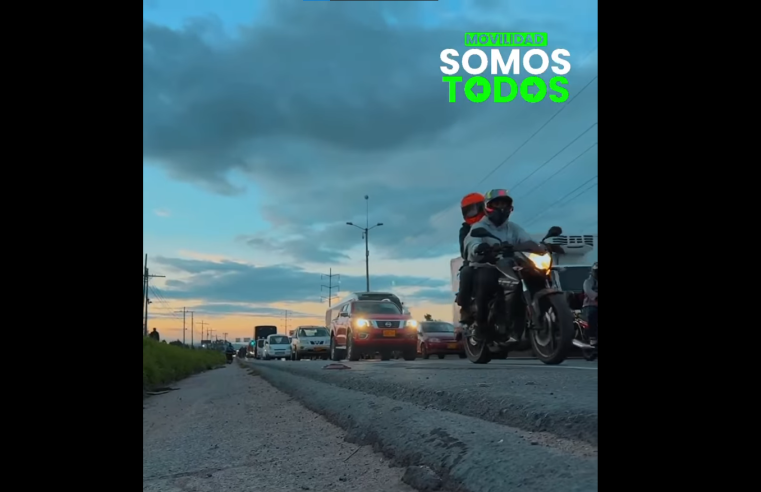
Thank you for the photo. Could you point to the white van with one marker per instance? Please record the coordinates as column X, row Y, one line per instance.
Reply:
column 277, row 347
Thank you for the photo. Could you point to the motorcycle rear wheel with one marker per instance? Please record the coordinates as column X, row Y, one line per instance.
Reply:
column 552, row 340
column 477, row 352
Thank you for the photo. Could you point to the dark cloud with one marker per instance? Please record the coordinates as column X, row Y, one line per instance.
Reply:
column 320, row 106
column 229, row 282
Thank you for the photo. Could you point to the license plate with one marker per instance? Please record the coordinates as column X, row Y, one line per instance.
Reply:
column 451, row 345
column 389, row 333
column 317, row 349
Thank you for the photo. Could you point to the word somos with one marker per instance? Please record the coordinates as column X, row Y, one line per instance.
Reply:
column 499, row 65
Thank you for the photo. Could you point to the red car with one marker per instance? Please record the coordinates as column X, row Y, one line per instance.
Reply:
column 438, row 338
column 359, row 328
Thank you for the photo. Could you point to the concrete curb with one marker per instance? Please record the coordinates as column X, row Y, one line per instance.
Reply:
column 468, row 454
column 520, row 412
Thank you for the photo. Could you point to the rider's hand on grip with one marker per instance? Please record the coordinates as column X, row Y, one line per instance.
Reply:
column 482, row 249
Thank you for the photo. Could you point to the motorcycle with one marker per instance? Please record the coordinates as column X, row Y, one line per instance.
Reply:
column 546, row 326
column 581, row 340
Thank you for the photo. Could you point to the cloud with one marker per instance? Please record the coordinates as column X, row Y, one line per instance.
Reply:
column 245, row 310
column 162, row 212
column 228, row 282
column 320, row 106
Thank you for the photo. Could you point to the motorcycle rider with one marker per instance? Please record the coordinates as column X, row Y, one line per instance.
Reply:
column 498, row 206
column 590, row 303
column 472, row 207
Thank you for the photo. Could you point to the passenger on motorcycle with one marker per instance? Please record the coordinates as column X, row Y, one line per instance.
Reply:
column 498, row 206
column 590, row 304
column 472, row 207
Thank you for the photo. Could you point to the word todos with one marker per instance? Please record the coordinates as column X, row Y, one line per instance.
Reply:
column 512, row 65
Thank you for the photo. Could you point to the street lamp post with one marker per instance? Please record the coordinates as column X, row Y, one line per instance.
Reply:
column 365, row 232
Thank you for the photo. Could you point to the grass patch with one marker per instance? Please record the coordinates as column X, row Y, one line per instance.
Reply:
column 164, row 363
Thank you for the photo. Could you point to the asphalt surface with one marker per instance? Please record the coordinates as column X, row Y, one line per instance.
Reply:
column 228, row 430
column 522, row 393
column 480, row 428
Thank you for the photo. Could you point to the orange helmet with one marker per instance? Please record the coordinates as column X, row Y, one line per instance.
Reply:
column 472, row 206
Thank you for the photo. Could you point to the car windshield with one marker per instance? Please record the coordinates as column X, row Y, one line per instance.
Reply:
column 573, row 277
column 280, row 340
column 313, row 332
column 376, row 308
column 260, row 343
column 438, row 328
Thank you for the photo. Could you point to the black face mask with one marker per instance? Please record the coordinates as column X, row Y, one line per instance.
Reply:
column 499, row 216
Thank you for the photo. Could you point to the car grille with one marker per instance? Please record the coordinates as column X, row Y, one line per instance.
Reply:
column 385, row 324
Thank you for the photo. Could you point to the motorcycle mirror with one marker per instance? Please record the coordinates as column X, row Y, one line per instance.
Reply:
column 479, row 232
column 554, row 231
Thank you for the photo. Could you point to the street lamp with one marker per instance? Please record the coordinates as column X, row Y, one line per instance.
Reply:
column 365, row 232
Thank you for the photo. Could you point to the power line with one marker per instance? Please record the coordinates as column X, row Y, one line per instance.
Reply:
column 146, row 300
column 558, row 171
column 329, row 286
column 534, row 219
column 504, row 161
column 553, row 157
column 537, row 132
column 209, row 331
column 184, row 311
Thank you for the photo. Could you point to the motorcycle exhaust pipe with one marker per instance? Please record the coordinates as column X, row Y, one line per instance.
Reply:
column 582, row 345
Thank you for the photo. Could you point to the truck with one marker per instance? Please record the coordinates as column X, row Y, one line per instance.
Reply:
column 572, row 258
column 260, row 332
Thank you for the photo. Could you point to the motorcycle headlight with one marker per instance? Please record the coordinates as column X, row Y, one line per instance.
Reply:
column 541, row 262
column 362, row 323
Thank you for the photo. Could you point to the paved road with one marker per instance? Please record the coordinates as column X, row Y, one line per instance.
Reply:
column 229, row 430
column 488, row 428
column 523, row 393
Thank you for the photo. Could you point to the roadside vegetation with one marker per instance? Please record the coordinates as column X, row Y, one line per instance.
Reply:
column 165, row 363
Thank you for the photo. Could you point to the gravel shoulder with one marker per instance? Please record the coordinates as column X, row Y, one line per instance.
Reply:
column 228, row 430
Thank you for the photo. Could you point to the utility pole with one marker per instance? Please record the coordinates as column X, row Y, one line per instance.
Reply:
column 208, row 331
column 183, row 323
column 146, row 300
column 329, row 286
column 224, row 335
column 365, row 235
column 192, row 345
column 286, row 321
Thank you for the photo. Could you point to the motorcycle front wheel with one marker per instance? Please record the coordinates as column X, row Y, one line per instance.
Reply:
column 552, row 339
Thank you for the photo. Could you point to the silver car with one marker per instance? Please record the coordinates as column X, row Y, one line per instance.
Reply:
column 277, row 347
column 310, row 341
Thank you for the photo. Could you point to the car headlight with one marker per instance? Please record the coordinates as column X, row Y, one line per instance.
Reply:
column 541, row 262
column 362, row 323
column 411, row 323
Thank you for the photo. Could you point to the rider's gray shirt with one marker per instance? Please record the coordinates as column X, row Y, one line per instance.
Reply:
column 509, row 232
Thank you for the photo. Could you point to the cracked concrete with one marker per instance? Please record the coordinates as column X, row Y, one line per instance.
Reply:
column 227, row 430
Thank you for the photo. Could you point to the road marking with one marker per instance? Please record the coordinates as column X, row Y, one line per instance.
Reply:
column 551, row 367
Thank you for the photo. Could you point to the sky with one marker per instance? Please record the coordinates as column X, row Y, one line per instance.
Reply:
column 266, row 123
